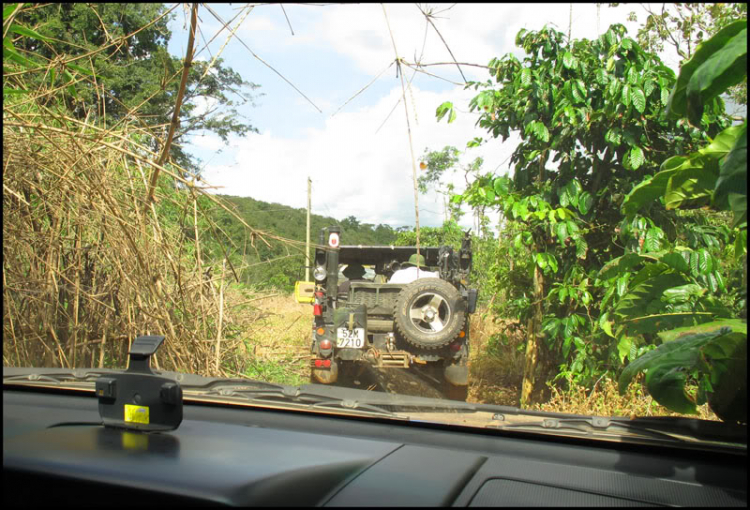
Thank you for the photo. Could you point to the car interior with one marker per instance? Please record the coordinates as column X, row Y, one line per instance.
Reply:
column 57, row 449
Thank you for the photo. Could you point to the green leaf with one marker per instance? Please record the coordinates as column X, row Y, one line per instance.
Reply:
column 669, row 358
column 13, row 55
column 704, row 261
column 632, row 75
column 568, row 60
column 502, row 186
column 605, row 324
column 721, row 70
column 691, row 186
column 452, row 116
column 540, row 260
column 20, row 30
column 636, row 157
column 683, row 293
column 694, row 264
column 15, row 91
column 622, row 285
column 677, row 102
column 80, row 69
column 551, row 262
column 675, row 261
column 526, row 77
column 639, row 99
column 648, row 87
column 581, row 247
column 620, row 265
column 733, row 173
column 625, row 98
column 443, row 109
column 613, row 136
column 623, row 347
column 611, row 37
column 653, row 239
column 562, row 232
column 740, row 242
column 8, row 10
column 581, row 88
column 601, row 76
column 666, row 384
column 644, row 295
column 585, row 201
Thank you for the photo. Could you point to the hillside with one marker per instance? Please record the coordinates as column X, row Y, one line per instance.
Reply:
column 285, row 264
column 290, row 223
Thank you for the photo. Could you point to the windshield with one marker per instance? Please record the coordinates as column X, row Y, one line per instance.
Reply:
column 467, row 203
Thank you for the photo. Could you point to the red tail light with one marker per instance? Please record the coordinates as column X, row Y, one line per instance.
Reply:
column 455, row 347
column 317, row 310
column 325, row 344
column 327, row 363
column 318, row 363
column 333, row 240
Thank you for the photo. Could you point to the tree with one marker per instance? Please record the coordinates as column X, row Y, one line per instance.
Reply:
column 714, row 353
column 684, row 26
column 436, row 165
column 137, row 72
column 590, row 118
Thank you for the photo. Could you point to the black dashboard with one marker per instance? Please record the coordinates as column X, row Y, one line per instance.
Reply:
column 55, row 451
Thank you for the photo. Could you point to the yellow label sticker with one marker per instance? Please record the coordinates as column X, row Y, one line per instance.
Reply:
column 136, row 414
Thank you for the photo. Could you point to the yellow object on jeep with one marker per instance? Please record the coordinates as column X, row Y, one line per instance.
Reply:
column 304, row 292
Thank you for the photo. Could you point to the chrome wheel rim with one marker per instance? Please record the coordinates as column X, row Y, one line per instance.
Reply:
column 430, row 313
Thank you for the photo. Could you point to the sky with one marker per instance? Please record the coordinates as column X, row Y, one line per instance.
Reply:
column 358, row 156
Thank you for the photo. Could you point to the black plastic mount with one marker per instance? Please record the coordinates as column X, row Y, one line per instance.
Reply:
column 137, row 398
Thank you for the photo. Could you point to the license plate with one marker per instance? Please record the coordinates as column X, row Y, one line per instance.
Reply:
column 349, row 338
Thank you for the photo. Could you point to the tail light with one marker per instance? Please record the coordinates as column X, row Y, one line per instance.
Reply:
column 325, row 344
column 456, row 347
column 317, row 310
column 333, row 240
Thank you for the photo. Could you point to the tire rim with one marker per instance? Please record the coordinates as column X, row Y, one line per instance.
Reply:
column 430, row 313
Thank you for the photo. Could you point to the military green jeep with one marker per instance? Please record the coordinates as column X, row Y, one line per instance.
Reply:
column 422, row 325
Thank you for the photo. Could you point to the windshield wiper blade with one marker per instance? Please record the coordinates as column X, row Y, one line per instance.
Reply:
column 657, row 429
column 52, row 375
column 270, row 393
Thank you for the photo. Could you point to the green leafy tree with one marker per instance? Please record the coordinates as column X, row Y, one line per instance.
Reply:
column 137, row 72
column 590, row 118
column 714, row 353
column 684, row 26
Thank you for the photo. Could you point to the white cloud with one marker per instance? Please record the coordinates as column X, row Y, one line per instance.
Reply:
column 355, row 171
column 475, row 33
column 208, row 142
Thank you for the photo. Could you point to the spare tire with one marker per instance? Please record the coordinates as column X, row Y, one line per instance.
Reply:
column 429, row 313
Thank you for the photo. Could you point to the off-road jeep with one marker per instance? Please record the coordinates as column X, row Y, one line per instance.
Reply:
column 422, row 325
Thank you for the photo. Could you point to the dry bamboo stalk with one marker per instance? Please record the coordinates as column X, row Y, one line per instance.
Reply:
column 221, row 317
column 178, row 103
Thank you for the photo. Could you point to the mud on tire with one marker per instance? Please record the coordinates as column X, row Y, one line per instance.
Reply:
column 429, row 313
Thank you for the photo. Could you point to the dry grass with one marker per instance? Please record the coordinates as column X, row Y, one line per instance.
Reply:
column 496, row 363
column 90, row 262
column 278, row 343
column 605, row 400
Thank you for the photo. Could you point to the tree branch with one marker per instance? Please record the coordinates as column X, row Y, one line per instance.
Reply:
column 178, row 104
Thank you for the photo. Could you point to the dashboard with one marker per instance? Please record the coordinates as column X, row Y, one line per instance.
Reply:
column 55, row 451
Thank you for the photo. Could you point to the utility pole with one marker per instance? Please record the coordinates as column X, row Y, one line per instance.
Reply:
column 307, row 241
